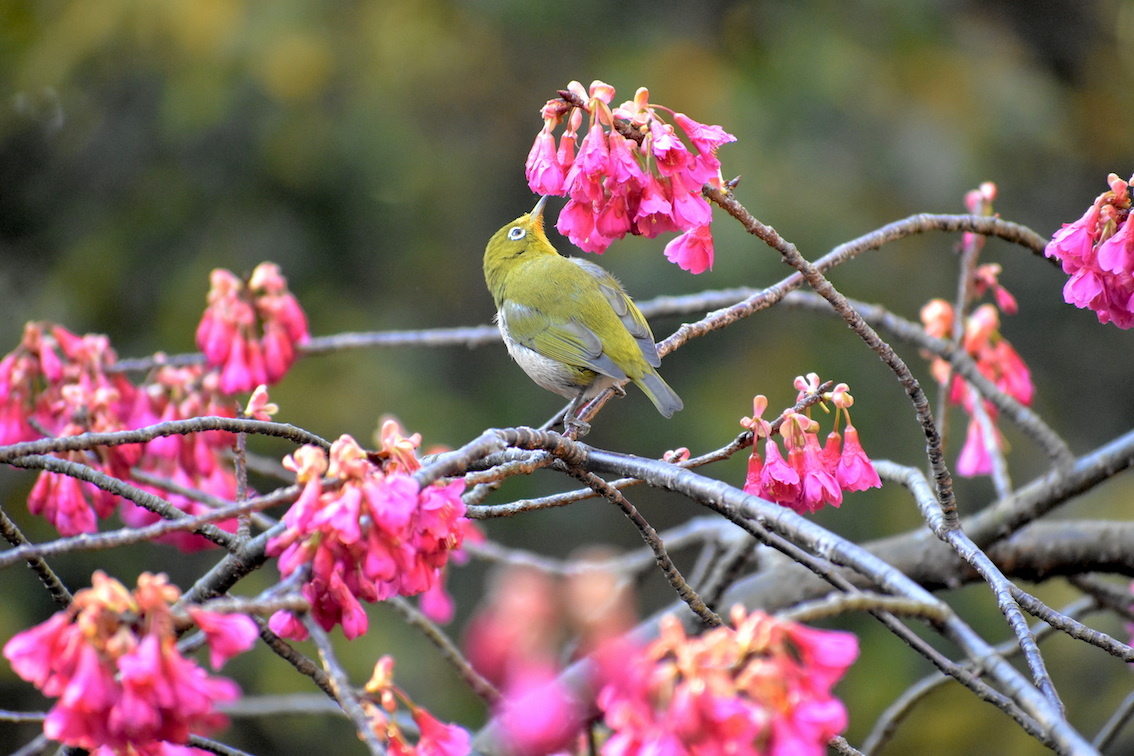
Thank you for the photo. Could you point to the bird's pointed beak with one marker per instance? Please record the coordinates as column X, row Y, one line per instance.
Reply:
column 537, row 211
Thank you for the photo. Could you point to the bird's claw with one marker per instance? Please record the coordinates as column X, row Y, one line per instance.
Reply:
column 575, row 428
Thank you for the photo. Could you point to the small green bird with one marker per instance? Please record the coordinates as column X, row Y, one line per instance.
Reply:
column 567, row 322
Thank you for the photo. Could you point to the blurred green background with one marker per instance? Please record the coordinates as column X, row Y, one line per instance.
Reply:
column 371, row 148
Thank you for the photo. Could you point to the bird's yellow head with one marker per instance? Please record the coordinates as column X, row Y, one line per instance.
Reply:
column 516, row 242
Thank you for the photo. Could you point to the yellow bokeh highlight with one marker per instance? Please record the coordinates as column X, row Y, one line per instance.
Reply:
column 294, row 66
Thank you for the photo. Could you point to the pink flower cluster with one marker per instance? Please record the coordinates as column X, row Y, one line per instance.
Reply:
column 762, row 687
column 434, row 737
column 196, row 461
column 812, row 476
column 58, row 383
column 52, row 376
column 247, row 355
column 1097, row 251
column 378, row 534
column 111, row 659
column 996, row 359
column 632, row 174
column 66, row 385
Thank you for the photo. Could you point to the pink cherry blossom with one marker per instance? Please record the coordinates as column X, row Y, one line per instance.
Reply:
column 633, row 173
column 855, row 472
column 112, row 662
column 1097, row 251
column 377, row 535
column 543, row 168
column 692, row 251
column 249, row 330
column 760, row 686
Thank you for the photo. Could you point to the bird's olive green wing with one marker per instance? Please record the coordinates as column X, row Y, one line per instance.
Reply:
column 564, row 341
column 624, row 308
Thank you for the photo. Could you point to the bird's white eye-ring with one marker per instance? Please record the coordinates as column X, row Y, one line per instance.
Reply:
column 515, row 233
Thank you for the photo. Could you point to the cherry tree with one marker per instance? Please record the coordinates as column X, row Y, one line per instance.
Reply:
column 562, row 663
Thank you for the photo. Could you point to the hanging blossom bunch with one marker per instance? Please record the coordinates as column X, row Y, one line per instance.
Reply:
column 633, row 172
column 979, row 335
column 378, row 534
column 1097, row 251
column 997, row 360
column 434, row 737
column 251, row 328
column 762, row 686
column 60, row 384
column 57, row 383
column 195, row 461
column 111, row 660
column 813, row 475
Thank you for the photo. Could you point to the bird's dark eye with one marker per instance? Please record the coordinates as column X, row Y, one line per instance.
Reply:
column 515, row 233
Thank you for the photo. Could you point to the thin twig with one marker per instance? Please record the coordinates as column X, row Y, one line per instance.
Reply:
column 449, row 651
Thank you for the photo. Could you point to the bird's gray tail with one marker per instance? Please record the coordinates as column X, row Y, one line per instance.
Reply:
column 664, row 398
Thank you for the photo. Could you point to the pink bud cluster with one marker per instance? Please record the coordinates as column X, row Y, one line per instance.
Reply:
column 633, row 173
column 434, row 738
column 813, row 475
column 996, row 359
column 375, row 535
column 1097, row 251
column 111, row 660
column 196, row 461
column 762, row 686
column 250, row 328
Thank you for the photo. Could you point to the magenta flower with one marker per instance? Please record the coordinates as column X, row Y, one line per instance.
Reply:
column 250, row 329
column 435, row 738
column 613, row 221
column 226, row 634
column 995, row 357
column 543, row 167
column 692, row 251
column 976, row 455
column 1097, row 251
column 780, row 480
column 1116, row 254
column 813, row 476
column 633, row 173
column 690, row 209
column 577, row 223
column 654, row 213
column 855, row 471
column 112, row 662
column 670, row 153
column 538, row 714
column 760, row 686
column 378, row 535
column 819, row 484
column 196, row 461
